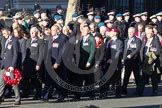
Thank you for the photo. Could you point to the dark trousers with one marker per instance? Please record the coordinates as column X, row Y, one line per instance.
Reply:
column 27, row 83
column 50, row 84
column 136, row 71
column 115, row 80
column 154, row 81
column 88, row 80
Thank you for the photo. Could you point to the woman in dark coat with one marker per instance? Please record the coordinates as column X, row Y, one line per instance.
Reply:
column 100, row 48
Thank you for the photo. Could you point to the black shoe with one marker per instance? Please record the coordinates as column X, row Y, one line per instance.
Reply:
column 45, row 100
column 118, row 96
column 124, row 92
column 77, row 98
column 60, row 100
column 138, row 94
column 36, row 98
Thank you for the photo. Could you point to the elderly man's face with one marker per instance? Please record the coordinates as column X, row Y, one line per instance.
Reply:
column 131, row 32
column 33, row 32
column 54, row 31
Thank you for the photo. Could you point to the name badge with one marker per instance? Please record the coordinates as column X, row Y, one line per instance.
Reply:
column 133, row 46
column 113, row 46
column 9, row 46
column 85, row 44
column 153, row 49
column 34, row 44
column 7, row 73
column 55, row 45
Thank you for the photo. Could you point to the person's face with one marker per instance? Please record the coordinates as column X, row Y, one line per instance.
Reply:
column 144, row 17
column 137, row 19
column 119, row 18
column 60, row 21
column 92, row 28
column 16, row 34
column 33, row 32
column 130, row 33
column 107, row 34
column 159, row 18
column 155, row 31
column 127, row 17
column 111, row 17
column 74, row 19
column 85, row 31
column 65, row 30
column 97, row 20
column 112, row 34
column 59, row 11
column 109, row 25
column 97, row 39
column 90, row 17
column 54, row 31
column 47, row 32
column 6, row 33
column 44, row 23
column 20, row 21
column 43, row 16
column 37, row 15
column 149, row 33
column 140, row 28
column 1, row 13
column 154, row 20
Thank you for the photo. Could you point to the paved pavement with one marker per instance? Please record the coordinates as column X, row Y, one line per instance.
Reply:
column 129, row 101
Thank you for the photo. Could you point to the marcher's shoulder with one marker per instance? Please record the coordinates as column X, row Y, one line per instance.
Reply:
column 14, row 39
column 40, row 40
column 91, row 38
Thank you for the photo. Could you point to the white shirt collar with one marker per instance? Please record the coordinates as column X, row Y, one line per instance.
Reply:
column 55, row 37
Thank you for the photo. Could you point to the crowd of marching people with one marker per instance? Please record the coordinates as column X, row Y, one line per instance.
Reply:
column 93, row 44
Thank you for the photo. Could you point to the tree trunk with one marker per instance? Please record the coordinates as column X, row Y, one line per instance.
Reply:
column 71, row 9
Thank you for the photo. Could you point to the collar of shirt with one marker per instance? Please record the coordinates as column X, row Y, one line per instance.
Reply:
column 55, row 37
column 85, row 38
column 33, row 39
column 149, row 41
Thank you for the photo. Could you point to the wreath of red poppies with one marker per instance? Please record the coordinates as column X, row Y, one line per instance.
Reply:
column 16, row 80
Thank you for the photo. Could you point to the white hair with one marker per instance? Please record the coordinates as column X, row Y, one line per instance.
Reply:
column 103, row 28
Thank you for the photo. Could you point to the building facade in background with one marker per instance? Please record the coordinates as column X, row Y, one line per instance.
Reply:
column 134, row 6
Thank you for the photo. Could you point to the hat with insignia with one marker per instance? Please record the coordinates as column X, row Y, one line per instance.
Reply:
column 108, row 21
column 144, row 13
column 18, row 15
column 57, row 17
column 109, row 29
column 46, row 19
column 159, row 14
column 126, row 13
column 137, row 15
column 79, row 16
column 119, row 15
column 153, row 16
column 111, row 13
column 97, row 17
column 90, row 13
column 114, row 30
column 101, row 24
column 74, row 15
column 35, row 12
